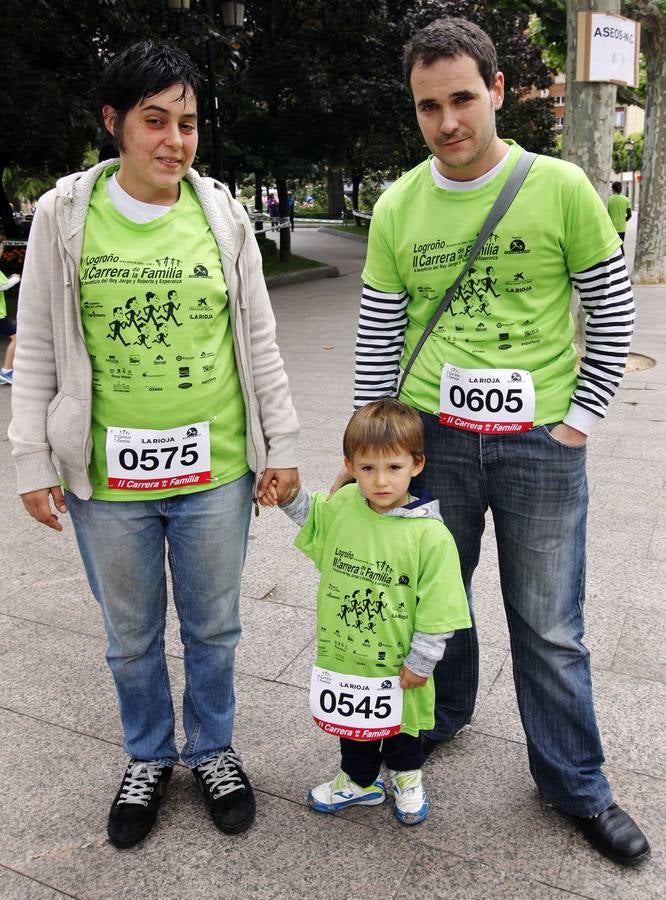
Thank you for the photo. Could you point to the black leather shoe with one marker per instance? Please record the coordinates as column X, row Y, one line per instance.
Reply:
column 615, row 834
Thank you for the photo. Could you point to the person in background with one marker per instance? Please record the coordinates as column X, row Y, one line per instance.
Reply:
column 273, row 212
column 290, row 201
column 619, row 210
column 7, row 324
column 148, row 450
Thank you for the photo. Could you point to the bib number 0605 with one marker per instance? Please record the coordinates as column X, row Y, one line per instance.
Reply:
column 493, row 400
column 152, row 457
column 377, row 707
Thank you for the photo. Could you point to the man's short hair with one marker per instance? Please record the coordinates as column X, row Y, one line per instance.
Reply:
column 616, row 187
column 142, row 70
column 384, row 426
column 447, row 39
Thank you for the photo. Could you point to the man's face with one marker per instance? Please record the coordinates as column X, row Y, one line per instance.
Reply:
column 456, row 114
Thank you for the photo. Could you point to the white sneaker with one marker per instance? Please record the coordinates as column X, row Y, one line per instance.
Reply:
column 411, row 801
column 342, row 792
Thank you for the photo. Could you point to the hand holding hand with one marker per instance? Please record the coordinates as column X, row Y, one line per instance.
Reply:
column 285, row 485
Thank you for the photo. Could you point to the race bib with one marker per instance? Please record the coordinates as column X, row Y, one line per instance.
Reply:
column 349, row 706
column 487, row 401
column 141, row 459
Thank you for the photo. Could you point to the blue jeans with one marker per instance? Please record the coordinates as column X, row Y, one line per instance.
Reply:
column 123, row 549
column 536, row 489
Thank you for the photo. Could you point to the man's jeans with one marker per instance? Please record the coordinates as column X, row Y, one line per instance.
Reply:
column 536, row 489
column 123, row 549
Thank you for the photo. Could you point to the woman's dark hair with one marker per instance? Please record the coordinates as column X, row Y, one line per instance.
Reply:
column 446, row 39
column 142, row 70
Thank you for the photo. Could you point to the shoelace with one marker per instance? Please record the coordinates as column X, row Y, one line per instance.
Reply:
column 221, row 774
column 139, row 782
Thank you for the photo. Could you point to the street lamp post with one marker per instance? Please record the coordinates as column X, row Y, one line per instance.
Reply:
column 232, row 17
column 629, row 147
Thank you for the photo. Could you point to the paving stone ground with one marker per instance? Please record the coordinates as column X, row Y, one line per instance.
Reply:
column 489, row 836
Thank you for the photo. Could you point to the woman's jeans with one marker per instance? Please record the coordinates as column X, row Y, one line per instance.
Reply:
column 122, row 544
column 536, row 489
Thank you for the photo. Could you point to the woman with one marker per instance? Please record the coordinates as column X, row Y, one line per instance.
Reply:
column 148, row 368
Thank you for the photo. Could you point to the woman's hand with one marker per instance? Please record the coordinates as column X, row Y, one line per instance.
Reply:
column 278, row 485
column 38, row 505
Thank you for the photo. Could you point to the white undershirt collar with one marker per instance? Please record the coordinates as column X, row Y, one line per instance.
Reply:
column 133, row 209
column 449, row 185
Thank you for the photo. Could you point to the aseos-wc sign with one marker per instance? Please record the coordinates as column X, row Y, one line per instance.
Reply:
column 608, row 47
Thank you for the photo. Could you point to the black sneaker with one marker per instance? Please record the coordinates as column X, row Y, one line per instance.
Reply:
column 227, row 791
column 134, row 810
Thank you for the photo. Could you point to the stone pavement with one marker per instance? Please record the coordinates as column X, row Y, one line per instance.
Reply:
column 488, row 836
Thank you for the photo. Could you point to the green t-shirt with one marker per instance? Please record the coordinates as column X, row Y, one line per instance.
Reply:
column 383, row 577
column 512, row 309
column 155, row 316
column 3, row 305
column 618, row 205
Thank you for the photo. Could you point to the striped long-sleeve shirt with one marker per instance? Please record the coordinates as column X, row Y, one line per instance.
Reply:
column 607, row 298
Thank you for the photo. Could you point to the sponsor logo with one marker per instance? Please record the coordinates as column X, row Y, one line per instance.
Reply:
column 185, row 384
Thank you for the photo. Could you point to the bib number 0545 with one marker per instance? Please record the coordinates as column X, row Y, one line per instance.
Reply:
column 356, row 707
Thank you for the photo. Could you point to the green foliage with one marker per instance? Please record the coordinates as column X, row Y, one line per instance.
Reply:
column 627, row 160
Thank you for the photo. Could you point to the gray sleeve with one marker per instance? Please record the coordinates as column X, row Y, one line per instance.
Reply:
column 299, row 507
column 425, row 652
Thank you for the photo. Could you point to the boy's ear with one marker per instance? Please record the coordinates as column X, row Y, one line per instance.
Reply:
column 418, row 466
column 349, row 466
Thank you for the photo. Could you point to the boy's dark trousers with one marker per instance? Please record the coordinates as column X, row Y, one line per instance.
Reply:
column 361, row 760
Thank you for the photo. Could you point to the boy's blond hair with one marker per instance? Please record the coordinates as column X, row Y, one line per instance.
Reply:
column 386, row 426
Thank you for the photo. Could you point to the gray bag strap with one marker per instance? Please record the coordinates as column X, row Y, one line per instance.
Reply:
column 502, row 203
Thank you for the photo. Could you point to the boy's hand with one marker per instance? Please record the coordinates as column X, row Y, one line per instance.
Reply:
column 409, row 679
column 269, row 497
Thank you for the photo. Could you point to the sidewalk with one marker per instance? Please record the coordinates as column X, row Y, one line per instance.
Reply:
column 488, row 836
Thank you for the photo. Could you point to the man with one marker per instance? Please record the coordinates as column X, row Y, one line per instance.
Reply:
column 505, row 414
column 619, row 210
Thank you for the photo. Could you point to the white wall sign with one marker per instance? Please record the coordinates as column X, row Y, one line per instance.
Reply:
column 608, row 47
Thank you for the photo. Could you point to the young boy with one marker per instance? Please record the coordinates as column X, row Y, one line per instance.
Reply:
column 389, row 596
column 7, row 325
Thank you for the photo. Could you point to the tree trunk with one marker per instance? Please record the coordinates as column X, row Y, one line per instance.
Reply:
column 231, row 181
column 285, row 232
column 589, row 125
column 356, row 189
column 258, row 202
column 336, row 194
column 650, row 257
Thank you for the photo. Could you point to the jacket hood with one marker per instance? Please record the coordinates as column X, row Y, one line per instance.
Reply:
column 423, row 507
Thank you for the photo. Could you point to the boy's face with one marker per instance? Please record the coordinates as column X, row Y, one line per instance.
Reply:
column 383, row 478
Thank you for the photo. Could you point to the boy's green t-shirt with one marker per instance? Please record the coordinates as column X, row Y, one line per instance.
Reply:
column 512, row 310
column 383, row 577
column 155, row 316
column 618, row 205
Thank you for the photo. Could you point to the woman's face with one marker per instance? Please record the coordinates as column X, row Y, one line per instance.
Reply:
column 159, row 140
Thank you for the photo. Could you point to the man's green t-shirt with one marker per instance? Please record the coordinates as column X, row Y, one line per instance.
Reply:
column 155, row 316
column 383, row 577
column 618, row 205
column 512, row 310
